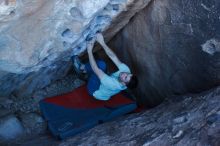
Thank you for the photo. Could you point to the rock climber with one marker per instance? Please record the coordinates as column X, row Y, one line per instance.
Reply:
column 101, row 85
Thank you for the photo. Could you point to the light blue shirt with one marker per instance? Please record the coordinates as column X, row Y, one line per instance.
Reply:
column 110, row 85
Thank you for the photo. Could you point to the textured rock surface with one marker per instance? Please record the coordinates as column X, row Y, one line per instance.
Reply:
column 26, row 114
column 188, row 120
column 4, row 112
column 10, row 128
column 173, row 47
column 33, row 123
column 38, row 37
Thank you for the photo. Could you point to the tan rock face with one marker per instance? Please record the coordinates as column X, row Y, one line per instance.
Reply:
column 36, row 27
column 7, row 8
column 25, row 31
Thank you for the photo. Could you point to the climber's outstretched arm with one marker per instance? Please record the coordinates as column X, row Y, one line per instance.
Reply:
column 92, row 61
column 108, row 51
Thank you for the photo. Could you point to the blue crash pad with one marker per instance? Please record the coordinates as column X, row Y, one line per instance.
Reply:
column 77, row 111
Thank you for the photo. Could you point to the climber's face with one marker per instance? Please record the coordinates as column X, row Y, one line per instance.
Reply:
column 125, row 77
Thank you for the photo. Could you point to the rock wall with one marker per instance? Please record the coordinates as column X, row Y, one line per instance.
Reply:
column 38, row 37
column 173, row 47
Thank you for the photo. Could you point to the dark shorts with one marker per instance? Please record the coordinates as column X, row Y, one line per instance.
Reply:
column 93, row 81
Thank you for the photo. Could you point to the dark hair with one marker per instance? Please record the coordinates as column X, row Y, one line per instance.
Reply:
column 133, row 82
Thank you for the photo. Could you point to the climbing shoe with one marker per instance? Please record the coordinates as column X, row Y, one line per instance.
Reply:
column 77, row 64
